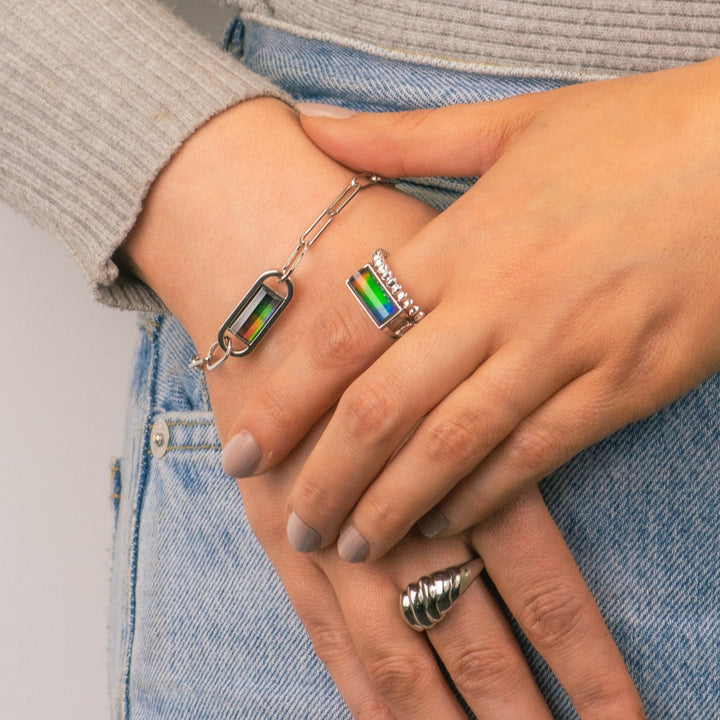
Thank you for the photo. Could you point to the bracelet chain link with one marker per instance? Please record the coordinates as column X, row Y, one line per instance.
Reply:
column 262, row 304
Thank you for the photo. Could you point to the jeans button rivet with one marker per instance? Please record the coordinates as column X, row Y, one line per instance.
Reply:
column 159, row 438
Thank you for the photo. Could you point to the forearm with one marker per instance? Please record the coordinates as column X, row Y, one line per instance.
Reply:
column 96, row 98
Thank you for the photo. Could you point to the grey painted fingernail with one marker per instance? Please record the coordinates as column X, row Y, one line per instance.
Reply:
column 352, row 546
column 241, row 456
column 300, row 535
column 323, row 110
column 432, row 523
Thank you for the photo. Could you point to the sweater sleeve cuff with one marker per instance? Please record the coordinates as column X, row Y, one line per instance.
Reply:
column 98, row 98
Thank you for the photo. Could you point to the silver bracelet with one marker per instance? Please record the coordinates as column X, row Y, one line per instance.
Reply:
column 262, row 304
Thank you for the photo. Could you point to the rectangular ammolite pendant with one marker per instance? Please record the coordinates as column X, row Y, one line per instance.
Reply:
column 372, row 294
column 255, row 313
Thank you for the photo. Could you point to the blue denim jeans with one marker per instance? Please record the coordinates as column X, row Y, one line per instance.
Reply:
column 201, row 627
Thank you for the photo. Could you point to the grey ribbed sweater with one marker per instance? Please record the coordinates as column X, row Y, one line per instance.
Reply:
column 95, row 97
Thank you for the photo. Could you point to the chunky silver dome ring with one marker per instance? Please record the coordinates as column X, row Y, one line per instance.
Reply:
column 424, row 603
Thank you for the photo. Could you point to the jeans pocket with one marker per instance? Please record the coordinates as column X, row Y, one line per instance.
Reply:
column 198, row 627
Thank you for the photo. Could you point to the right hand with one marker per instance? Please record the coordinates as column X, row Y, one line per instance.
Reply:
column 229, row 206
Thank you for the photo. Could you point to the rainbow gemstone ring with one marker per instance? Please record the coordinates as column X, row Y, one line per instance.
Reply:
column 382, row 297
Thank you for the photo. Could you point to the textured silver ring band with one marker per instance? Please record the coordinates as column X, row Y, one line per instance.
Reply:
column 383, row 298
column 426, row 602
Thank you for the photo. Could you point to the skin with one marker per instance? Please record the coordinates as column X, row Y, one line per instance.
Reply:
column 198, row 245
column 585, row 261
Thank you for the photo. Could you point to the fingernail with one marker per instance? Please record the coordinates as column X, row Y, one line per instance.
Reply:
column 432, row 523
column 301, row 536
column 352, row 546
column 322, row 110
column 241, row 456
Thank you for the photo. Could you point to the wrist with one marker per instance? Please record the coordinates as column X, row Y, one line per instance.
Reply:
column 232, row 204
column 200, row 214
column 229, row 205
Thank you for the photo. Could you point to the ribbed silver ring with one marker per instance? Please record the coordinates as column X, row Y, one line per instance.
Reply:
column 426, row 602
column 412, row 312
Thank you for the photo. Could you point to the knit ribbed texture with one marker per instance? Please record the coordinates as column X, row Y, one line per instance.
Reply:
column 553, row 38
column 96, row 97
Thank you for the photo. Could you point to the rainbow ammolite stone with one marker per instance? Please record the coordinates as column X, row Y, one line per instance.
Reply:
column 375, row 298
column 383, row 298
column 256, row 312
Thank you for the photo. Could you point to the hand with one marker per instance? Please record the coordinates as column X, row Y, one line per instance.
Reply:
column 194, row 245
column 352, row 614
column 570, row 292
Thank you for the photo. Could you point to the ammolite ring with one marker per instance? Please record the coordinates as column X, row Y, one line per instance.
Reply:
column 383, row 298
column 424, row 603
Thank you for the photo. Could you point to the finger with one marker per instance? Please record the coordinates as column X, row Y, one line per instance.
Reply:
column 337, row 343
column 374, row 416
column 278, row 414
column 459, row 140
column 571, row 420
column 477, row 647
column 452, row 440
column 534, row 572
column 482, row 656
column 317, row 607
column 398, row 661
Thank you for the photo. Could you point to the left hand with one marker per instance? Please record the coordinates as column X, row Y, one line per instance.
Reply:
column 570, row 292
column 386, row 670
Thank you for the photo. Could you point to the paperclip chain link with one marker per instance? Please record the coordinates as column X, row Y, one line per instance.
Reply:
column 224, row 345
column 326, row 217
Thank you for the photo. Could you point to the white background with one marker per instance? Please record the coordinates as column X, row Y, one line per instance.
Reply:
column 64, row 368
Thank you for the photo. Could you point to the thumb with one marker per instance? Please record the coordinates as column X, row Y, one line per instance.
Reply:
column 457, row 140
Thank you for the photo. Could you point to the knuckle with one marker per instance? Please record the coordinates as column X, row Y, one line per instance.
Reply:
column 552, row 615
column 484, row 671
column 372, row 708
column 406, row 125
column 369, row 411
column 335, row 341
column 606, row 700
column 398, row 676
column 275, row 401
column 331, row 644
column 451, row 440
column 315, row 492
column 410, row 120
column 385, row 513
column 535, row 450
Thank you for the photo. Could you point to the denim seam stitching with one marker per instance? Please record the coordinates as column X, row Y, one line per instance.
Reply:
column 152, row 391
column 188, row 447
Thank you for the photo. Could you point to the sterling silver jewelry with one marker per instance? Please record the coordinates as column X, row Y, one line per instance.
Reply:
column 424, row 603
column 262, row 304
column 383, row 298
